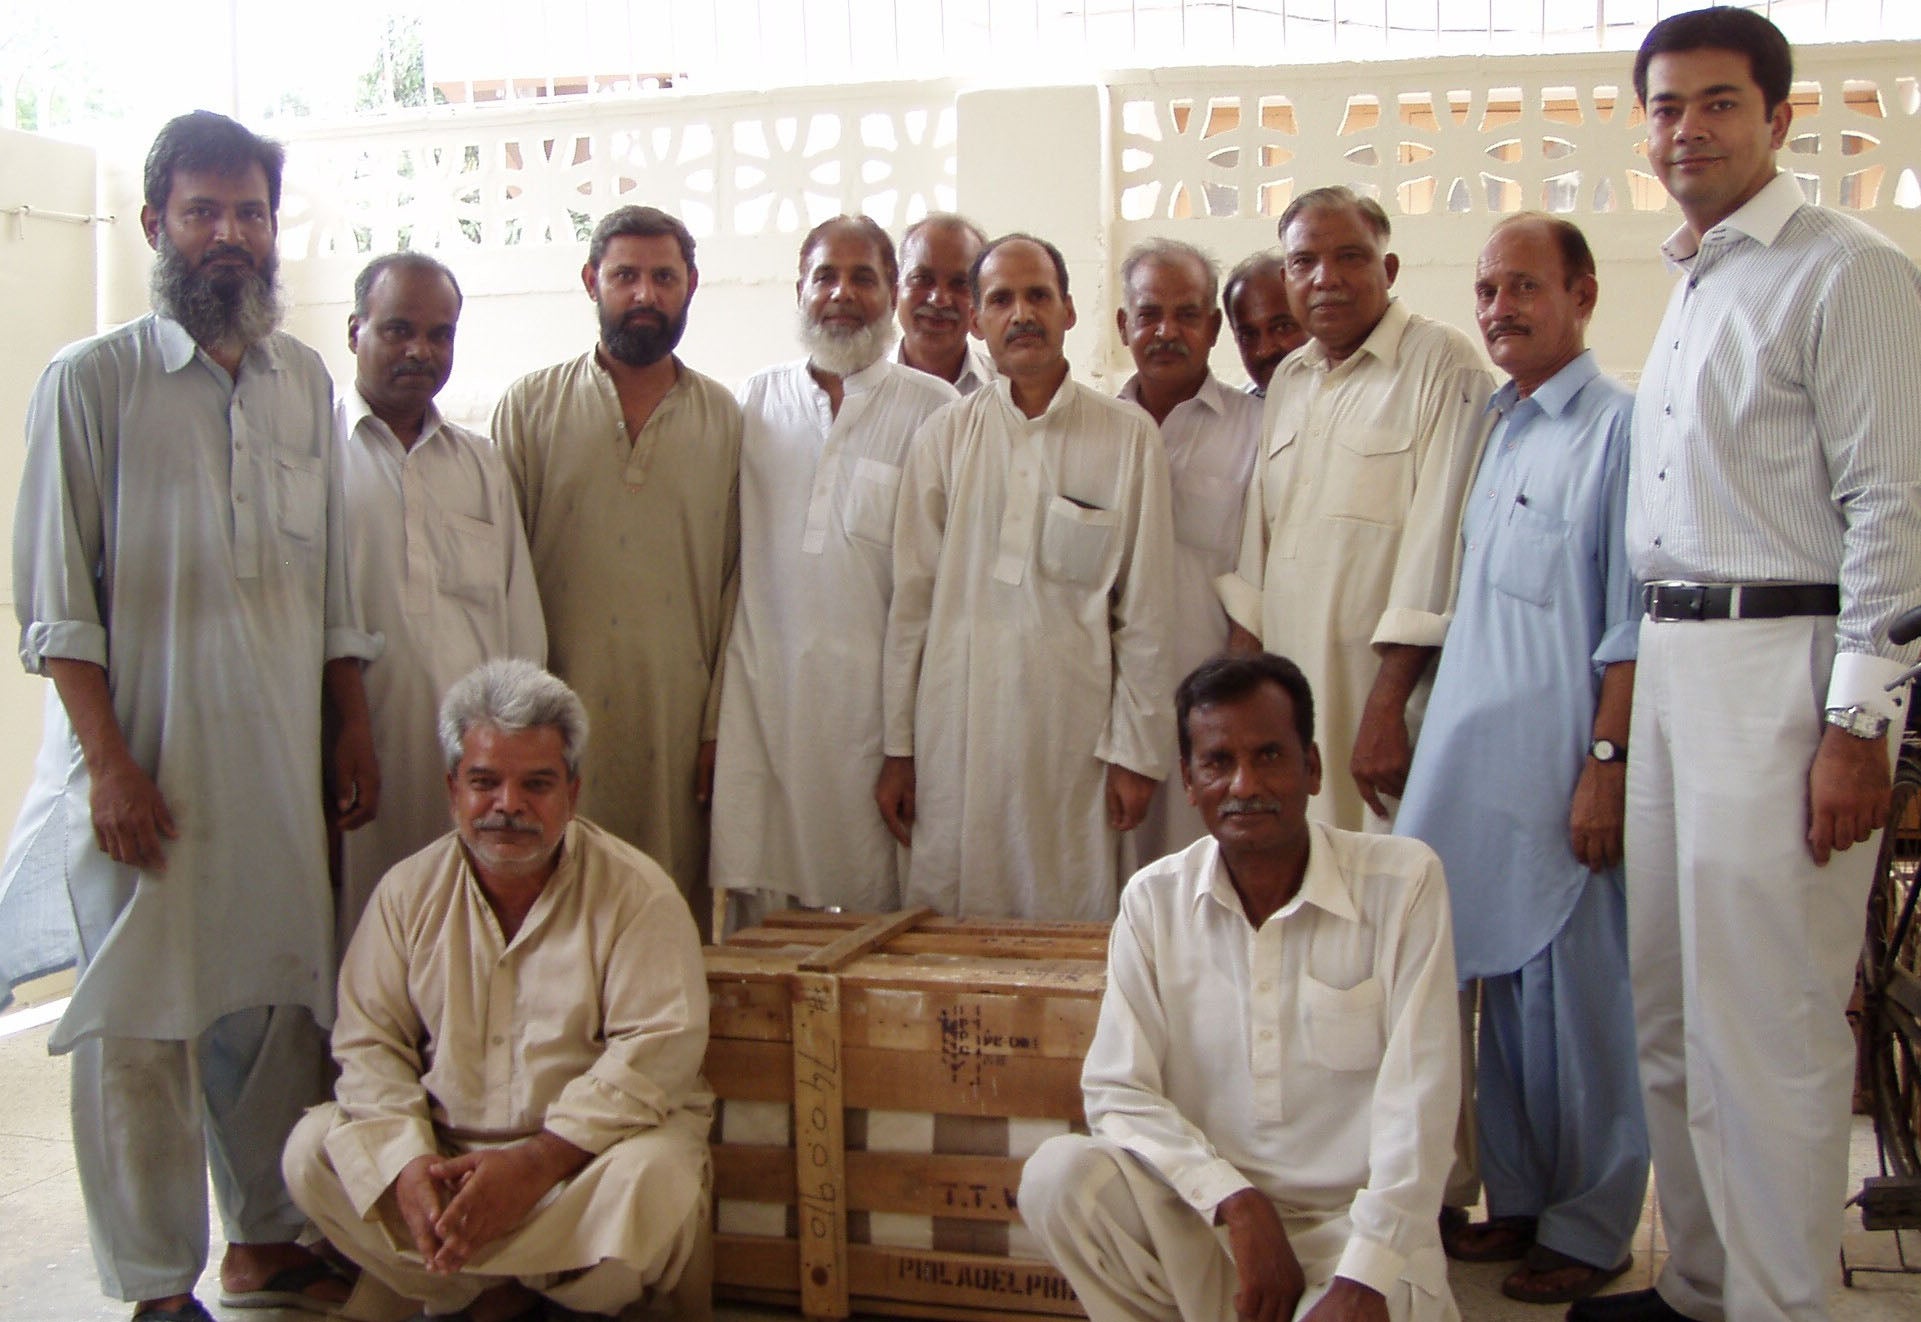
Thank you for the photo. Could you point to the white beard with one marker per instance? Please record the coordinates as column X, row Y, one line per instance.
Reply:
column 839, row 354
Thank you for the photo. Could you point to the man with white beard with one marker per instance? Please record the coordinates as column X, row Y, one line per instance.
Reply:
column 180, row 576
column 823, row 443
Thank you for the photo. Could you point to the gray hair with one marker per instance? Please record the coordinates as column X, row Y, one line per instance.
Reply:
column 512, row 695
column 1169, row 251
column 1337, row 197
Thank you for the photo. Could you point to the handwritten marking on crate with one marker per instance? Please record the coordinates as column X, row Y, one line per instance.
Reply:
column 967, row 1044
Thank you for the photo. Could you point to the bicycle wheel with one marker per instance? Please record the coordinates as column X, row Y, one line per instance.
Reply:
column 1892, row 957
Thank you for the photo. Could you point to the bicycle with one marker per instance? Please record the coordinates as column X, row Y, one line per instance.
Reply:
column 1891, row 998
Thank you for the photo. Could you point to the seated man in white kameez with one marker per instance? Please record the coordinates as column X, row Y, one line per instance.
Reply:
column 523, row 1014
column 1169, row 323
column 823, row 442
column 1272, row 1086
column 435, row 548
column 1025, row 685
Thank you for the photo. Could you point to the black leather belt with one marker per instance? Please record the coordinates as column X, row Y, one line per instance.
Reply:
column 1738, row 601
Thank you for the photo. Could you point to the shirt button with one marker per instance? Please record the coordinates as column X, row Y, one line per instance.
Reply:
column 1662, row 475
column 240, row 498
column 1267, row 1035
column 1657, row 541
column 1264, row 987
column 1667, row 410
column 498, row 1040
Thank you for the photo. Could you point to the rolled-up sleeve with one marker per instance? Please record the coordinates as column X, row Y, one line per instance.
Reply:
column 58, row 531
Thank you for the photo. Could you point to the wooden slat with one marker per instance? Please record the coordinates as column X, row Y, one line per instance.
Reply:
column 959, row 1280
column 756, row 1261
column 754, row 1172
column 819, row 1145
column 759, row 1010
column 844, row 949
column 964, row 1021
column 1026, row 945
column 928, row 1184
column 1037, row 1086
column 1077, row 977
column 749, row 1071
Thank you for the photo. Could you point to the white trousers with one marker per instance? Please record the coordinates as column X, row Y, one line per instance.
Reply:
column 152, row 1117
column 630, row 1223
column 1742, row 954
column 1134, row 1250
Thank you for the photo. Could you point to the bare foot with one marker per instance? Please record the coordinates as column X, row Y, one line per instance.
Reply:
column 167, row 1305
column 250, row 1267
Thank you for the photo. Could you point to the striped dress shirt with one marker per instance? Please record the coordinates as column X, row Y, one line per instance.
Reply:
column 1777, row 429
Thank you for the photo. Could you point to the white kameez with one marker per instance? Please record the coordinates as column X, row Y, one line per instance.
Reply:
column 1027, row 647
column 183, row 531
column 1352, row 521
column 1210, row 440
column 800, row 718
column 440, row 568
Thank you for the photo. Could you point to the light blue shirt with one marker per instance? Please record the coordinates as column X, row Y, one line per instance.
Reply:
column 1545, row 603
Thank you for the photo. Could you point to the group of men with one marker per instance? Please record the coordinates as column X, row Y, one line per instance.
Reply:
column 899, row 627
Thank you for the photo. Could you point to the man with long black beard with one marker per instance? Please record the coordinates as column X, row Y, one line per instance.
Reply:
column 627, row 466
column 180, row 574
column 825, row 440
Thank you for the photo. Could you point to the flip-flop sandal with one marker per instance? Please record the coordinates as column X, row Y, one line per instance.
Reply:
column 287, row 1288
column 1497, row 1239
column 1582, row 1278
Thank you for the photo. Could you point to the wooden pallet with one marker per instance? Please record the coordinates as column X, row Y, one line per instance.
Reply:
column 909, row 1012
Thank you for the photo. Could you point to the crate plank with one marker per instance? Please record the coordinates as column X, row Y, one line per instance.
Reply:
column 750, row 1071
column 819, row 1146
column 931, row 1184
column 956, row 1280
column 965, row 1084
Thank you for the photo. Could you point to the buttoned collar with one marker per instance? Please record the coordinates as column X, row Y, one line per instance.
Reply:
column 1322, row 884
column 1383, row 343
column 1003, row 389
column 1209, row 396
column 1552, row 396
column 1761, row 218
column 356, row 410
column 177, row 347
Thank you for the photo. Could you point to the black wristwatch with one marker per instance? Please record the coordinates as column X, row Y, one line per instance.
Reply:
column 1606, row 750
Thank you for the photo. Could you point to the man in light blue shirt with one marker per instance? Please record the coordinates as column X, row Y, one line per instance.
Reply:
column 1519, row 779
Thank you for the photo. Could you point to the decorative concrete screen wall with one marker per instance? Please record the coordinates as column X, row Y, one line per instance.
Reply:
column 506, row 195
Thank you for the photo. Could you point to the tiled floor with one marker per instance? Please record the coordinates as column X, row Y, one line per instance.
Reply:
column 46, row 1270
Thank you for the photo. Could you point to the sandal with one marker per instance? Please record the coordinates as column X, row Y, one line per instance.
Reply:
column 1497, row 1239
column 1547, row 1276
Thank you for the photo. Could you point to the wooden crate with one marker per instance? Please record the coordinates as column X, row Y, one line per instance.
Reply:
column 851, row 1020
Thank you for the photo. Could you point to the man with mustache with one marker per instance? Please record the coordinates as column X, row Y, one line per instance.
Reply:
column 180, row 575
column 937, row 301
column 1520, row 778
column 1368, row 444
column 1772, row 513
column 627, row 465
column 825, row 440
column 520, row 1118
column 1272, row 1081
column 1024, row 685
column 438, row 559
column 1265, row 332
column 1169, row 323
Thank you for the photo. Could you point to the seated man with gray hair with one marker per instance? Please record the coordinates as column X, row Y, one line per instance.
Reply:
column 523, row 1014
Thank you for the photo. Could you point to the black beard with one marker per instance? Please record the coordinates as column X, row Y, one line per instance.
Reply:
column 641, row 344
column 226, row 307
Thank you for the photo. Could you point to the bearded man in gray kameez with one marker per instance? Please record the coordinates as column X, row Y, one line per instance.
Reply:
column 523, row 1013
column 627, row 465
column 179, row 569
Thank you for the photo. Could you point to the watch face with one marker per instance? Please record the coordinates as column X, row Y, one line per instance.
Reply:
column 1604, row 750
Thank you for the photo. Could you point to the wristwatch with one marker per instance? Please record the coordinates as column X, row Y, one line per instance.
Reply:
column 1606, row 750
column 1857, row 721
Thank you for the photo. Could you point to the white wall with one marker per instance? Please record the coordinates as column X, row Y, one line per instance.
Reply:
column 47, row 284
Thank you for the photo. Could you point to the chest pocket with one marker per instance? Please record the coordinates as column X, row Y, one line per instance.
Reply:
column 300, row 485
column 1077, row 543
column 867, row 510
column 470, row 561
column 1344, row 1026
column 1207, row 514
column 1370, row 476
column 1532, row 549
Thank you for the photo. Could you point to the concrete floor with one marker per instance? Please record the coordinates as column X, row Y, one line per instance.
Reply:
column 46, row 1269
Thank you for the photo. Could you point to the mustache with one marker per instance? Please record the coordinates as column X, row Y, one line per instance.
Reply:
column 938, row 316
column 501, row 823
column 1508, row 328
column 1257, row 803
column 1019, row 328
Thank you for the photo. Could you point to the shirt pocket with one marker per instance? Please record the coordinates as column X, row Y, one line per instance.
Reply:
column 1370, row 476
column 1207, row 513
column 300, row 485
column 1530, row 552
column 1077, row 542
column 867, row 510
column 1344, row 1026
column 470, row 559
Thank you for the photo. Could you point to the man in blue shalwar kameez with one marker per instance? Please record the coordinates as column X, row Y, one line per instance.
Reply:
column 1519, row 779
